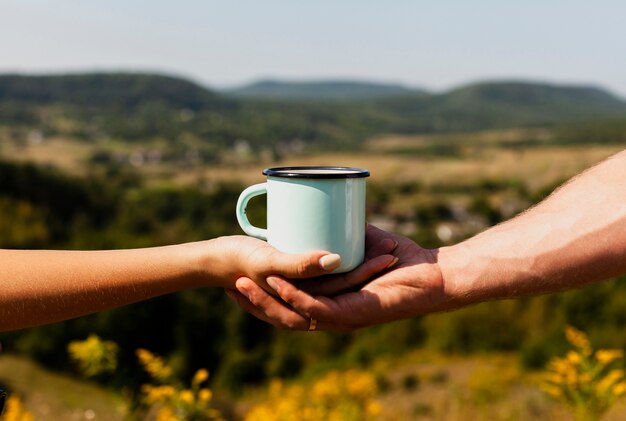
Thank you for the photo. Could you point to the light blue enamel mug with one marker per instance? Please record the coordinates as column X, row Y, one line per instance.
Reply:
column 312, row 208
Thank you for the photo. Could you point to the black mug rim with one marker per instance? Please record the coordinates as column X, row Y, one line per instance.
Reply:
column 292, row 172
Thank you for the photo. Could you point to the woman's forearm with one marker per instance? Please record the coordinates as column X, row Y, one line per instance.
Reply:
column 43, row 286
column 574, row 237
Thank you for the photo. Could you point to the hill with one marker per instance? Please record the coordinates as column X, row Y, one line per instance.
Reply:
column 533, row 102
column 503, row 104
column 107, row 89
column 309, row 115
column 343, row 90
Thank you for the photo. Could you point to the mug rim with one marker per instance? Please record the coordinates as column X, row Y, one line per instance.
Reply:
column 292, row 172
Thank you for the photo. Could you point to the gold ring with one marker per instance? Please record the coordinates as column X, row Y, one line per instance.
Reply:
column 312, row 324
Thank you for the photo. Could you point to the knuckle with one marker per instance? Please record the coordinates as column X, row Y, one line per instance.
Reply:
column 288, row 323
column 287, row 296
column 303, row 267
column 291, row 324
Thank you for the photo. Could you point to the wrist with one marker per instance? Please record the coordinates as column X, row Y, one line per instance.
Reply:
column 456, row 269
column 207, row 262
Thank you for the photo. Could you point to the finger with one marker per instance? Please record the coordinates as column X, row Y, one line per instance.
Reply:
column 257, row 312
column 385, row 246
column 272, row 313
column 304, row 265
column 266, row 307
column 318, row 307
column 352, row 310
column 374, row 235
column 334, row 284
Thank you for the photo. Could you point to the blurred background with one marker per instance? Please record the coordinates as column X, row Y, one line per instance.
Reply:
column 133, row 124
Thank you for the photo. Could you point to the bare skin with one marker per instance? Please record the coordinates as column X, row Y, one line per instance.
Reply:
column 45, row 286
column 575, row 237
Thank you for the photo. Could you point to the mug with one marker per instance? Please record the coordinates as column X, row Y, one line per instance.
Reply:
column 312, row 208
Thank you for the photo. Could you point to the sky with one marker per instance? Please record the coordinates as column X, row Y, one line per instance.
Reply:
column 435, row 45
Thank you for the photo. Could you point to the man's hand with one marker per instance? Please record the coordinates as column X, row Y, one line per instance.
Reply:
column 414, row 286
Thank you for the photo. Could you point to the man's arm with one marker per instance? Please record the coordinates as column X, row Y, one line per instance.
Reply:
column 574, row 237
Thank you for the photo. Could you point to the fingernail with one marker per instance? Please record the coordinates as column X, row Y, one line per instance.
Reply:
column 272, row 283
column 243, row 291
column 330, row 262
column 392, row 263
column 395, row 245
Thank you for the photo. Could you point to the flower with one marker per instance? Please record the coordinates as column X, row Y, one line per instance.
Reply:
column 607, row 356
column 574, row 357
column 154, row 365
column 186, row 396
column 619, row 389
column 578, row 339
column 200, row 377
column 171, row 400
column 205, row 395
column 15, row 411
column 584, row 380
column 94, row 356
column 340, row 396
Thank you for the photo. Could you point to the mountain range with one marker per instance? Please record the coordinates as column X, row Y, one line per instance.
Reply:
column 327, row 114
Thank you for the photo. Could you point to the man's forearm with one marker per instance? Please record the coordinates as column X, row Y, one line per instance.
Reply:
column 574, row 237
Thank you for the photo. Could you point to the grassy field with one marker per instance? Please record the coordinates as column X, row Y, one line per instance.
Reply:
column 421, row 385
column 56, row 396
column 430, row 386
column 427, row 159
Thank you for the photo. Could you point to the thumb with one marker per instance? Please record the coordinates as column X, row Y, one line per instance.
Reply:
column 305, row 265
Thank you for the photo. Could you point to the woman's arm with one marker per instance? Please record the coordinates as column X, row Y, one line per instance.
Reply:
column 43, row 286
column 575, row 237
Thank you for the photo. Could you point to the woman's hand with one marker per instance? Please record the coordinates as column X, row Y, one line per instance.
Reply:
column 256, row 260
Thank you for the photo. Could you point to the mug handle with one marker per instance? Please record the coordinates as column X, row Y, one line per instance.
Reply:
column 242, row 218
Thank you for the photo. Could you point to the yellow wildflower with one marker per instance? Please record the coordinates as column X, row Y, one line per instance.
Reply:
column 200, row 377
column 607, row 356
column 619, row 389
column 94, row 356
column 157, row 394
column 166, row 414
column 610, row 379
column 559, row 365
column 186, row 396
column 360, row 384
column 15, row 411
column 205, row 395
column 154, row 365
column 578, row 339
column 373, row 408
column 571, row 377
column 555, row 378
column 574, row 357
column 585, row 384
column 336, row 396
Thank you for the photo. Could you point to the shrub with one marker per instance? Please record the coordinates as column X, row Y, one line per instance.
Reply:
column 584, row 380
